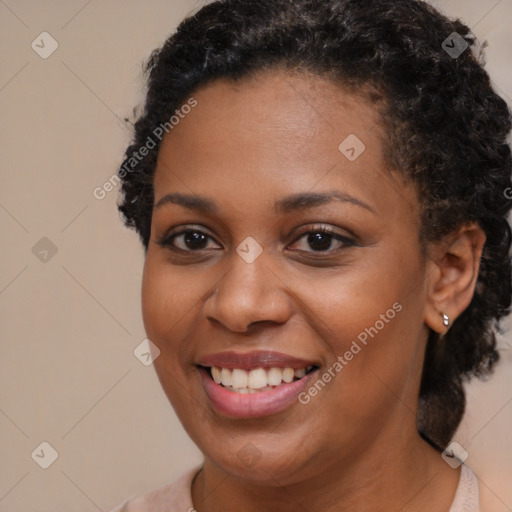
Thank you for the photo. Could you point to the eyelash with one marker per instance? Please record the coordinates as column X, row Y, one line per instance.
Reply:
column 167, row 240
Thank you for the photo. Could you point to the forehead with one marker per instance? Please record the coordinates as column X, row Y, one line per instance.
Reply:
column 291, row 111
column 276, row 131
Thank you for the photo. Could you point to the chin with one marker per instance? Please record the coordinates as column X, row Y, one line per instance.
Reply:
column 251, row 464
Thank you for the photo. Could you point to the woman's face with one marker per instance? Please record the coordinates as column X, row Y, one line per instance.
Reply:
column 249, row 283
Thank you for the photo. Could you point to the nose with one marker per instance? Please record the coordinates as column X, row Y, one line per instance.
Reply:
column 247, row 294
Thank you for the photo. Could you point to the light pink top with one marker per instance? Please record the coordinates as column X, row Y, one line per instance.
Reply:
column 177, row 497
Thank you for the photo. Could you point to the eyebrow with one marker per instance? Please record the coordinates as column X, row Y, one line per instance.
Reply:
column 299, row 201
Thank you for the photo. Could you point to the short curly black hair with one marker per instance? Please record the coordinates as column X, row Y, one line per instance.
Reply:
column 446, row 132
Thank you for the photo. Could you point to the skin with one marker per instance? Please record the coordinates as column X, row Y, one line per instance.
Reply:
column 355, row 446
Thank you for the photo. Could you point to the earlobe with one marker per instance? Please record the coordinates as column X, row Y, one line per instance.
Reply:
column 438, row 321
column 452, row 273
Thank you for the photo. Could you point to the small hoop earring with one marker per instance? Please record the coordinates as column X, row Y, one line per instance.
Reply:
column 446, row 320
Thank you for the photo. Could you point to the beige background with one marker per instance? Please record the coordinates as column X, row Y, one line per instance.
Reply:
column 69, row 325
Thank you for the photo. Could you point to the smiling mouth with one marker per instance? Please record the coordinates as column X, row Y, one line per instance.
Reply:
column 256, row 380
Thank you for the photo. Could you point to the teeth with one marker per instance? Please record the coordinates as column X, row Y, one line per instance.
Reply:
column 238, row 378
column 216, row 374
column 274, row 376
column 259, row 379
column 300, row 373
column 288, row 375
column 225, row 377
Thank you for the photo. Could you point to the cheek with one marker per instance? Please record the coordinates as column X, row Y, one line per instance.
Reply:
column 156, row 302
column 380, row 295
column 168, row 294
column 167, row 298
column 375, row 322
column 351, row 300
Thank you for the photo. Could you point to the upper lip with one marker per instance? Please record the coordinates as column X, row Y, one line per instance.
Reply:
column 254, row 359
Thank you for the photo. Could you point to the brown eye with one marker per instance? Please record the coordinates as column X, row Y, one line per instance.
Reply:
column 321, row 240
column 189, row 240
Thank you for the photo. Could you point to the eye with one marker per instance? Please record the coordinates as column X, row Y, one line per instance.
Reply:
column 321, row 239
column 187, row 240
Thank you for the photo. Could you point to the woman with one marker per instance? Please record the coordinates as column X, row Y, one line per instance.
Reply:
column 320, row 189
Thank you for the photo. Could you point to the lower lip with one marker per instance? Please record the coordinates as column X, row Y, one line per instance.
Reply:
column 252, row 405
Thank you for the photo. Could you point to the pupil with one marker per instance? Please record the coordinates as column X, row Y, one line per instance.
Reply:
column 315, row 240
column 193, row 239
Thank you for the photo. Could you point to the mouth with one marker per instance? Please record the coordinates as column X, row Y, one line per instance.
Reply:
column 239, row 380
column 256, row 384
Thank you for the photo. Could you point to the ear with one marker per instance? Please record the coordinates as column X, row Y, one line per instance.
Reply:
column 452, row 271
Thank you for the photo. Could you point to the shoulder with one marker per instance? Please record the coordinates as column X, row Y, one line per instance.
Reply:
column 467, row 495
column 173, row 496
